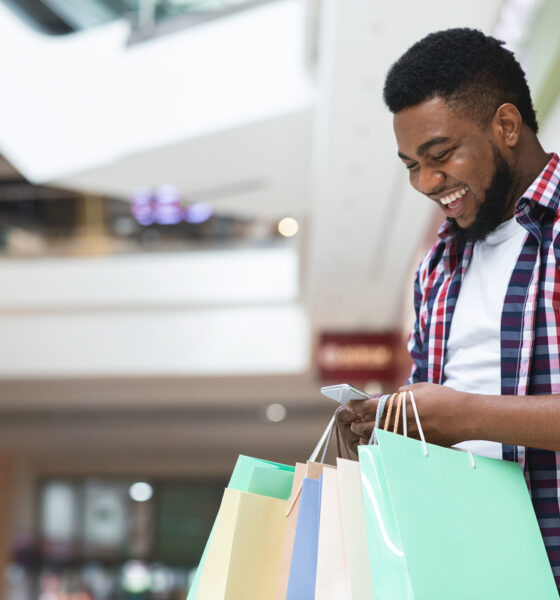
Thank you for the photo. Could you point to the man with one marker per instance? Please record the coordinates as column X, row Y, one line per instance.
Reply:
column 486, row 341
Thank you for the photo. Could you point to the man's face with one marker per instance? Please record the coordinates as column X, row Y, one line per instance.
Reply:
column 455, row 162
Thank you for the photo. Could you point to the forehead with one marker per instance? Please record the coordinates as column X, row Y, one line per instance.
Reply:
column 415, row 125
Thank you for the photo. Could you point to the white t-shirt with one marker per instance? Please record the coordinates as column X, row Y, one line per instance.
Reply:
column 473, row 349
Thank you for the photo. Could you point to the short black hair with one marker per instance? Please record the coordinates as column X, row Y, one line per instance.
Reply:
column 467, row 69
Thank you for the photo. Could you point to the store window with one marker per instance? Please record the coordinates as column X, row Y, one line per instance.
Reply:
column 111, row 539
column 39, row 221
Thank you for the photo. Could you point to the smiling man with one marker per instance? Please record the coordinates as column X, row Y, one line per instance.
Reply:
column 486, row 341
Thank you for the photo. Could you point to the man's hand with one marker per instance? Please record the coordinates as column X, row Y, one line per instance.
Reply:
column 345, row 418
column 443, row 412
column 446, row 415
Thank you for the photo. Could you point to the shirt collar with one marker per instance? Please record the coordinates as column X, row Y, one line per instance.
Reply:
column 447, row 231
column 544, row 191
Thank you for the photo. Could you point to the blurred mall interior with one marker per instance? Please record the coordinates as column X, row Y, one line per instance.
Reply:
column 203, row 219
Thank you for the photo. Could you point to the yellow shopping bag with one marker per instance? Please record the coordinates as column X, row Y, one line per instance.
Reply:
column 243, row 558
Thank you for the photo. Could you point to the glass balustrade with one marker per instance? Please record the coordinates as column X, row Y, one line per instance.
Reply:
column 59, row 17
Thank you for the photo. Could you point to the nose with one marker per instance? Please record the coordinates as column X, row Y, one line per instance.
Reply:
column 428, row 180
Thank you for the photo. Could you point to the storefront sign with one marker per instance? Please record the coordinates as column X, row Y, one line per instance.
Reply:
column 356, row 357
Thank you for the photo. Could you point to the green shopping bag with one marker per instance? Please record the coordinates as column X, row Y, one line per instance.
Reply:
column 256, row 476
column 442, row 524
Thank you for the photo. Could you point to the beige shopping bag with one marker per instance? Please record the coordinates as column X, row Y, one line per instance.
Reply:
column 312, row 470
column 354, row 529
column 244, row 551
column 333, row 577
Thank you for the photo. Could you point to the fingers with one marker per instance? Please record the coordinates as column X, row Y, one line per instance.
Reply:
column 363, row 407
column 362, row 429
column 344, row 416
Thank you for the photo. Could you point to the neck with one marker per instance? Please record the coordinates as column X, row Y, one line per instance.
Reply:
column 530, row 160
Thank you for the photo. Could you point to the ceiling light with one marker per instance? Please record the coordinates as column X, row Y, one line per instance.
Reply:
column 275, row 412
column 198, row 213
column 288, row 227
column 140, row 491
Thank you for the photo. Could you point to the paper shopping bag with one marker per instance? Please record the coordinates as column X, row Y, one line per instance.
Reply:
column 456, row 527
column 256, row 476
column 290, row 532
column 333, row 577
column 311, row 470
column 244, row 553
column 387, row 565
column 303, row 567
column 260, row 476
column 353, row 523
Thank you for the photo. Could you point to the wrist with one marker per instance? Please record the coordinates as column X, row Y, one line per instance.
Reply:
column 472, row 420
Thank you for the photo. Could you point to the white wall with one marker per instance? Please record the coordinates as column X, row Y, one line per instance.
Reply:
column 202, row 313
column 550, row 130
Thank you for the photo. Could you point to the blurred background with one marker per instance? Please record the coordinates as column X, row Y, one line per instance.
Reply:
column 202, row 220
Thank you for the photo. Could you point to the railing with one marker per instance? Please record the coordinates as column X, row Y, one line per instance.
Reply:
column 147, row 17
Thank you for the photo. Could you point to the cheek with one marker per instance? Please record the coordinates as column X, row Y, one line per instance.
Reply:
column 471, row 173
column 474, row 166
column 413, row 179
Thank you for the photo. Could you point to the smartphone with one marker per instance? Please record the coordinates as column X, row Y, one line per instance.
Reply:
column 343, row 392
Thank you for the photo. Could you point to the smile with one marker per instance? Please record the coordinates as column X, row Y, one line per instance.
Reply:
column 454, row 196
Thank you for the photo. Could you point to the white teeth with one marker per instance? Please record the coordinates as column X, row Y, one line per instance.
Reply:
column 454, row 196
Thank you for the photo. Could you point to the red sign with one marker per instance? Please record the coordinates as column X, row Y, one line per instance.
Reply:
column 359, row 357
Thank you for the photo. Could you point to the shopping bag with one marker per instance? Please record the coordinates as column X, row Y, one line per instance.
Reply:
column 442, row 524
column 243, row 558
column 256, row 476
column 311, row 470
column 353, row 523
column 303, row 566
column 333, row 577
column 262, row 477
column 302, row 574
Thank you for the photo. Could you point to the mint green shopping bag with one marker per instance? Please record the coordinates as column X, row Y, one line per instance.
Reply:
column 444, row 525
column 387, row 561
column 256, row 476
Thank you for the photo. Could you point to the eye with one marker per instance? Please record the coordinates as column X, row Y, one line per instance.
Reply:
column 411, row 167
column 443, row 155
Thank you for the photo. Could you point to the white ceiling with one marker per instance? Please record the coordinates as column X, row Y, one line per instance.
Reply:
column 258, row 169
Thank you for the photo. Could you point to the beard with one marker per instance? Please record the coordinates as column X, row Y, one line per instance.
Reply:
column 496, row 205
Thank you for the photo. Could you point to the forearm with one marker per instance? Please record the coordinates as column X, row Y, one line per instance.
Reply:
column 448, row 417
column 520, row 420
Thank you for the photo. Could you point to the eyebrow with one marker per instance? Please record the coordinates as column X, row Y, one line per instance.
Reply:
column 423, row 148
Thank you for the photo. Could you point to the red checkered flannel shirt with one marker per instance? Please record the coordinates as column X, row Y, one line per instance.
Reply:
column 530, row 330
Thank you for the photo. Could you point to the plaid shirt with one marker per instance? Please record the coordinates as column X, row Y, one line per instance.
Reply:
column 530, row 330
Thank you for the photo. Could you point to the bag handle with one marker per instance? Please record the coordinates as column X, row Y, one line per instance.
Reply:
column 473, row 464
column 401, row 404
column 378, row 415
column 399, row 407
column 323, row 443
column 391, row 401
column 416, row 418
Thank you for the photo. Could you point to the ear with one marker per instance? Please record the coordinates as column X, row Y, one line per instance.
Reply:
column 507, row 123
